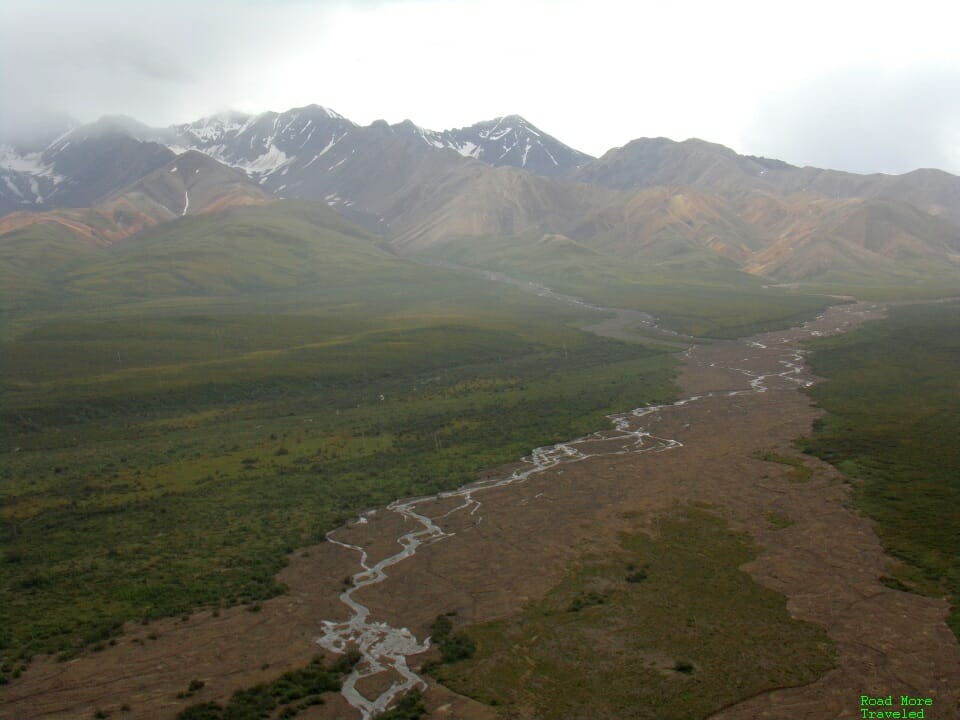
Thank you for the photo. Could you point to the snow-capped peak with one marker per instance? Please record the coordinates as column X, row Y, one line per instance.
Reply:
column 215, row 127
column 506, row 140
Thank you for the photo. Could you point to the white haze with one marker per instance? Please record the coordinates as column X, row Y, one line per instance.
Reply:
column 861, row 86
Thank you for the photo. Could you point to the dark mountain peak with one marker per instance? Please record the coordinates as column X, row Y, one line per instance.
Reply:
column 315, row 110
column 646, row 162
column 933, row 174
column 697, row 142
column 507, row 140
column 646, row 142
column 665, row 144
column 770, row 163
column 208, row 181
column 512, row 119
column 194, row 159
column 506, row 124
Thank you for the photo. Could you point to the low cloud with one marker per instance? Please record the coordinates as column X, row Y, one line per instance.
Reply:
column 158, row 62
column 864, row 120
column 594, row 77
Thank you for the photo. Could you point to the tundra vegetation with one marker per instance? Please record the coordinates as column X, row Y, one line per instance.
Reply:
column 668, row 626
column 694, row 293
column 151, row 490
column 285, row 697
column 182, row 410
column 893, row 418
column 164, row 452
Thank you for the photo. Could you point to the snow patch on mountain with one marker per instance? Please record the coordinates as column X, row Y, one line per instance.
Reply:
column 329, row 145
column 27, row 177
column 30, row 163
column 215, row 128
column 508, row 140
column 468, row 149
column 266, row 163
column 13, row 188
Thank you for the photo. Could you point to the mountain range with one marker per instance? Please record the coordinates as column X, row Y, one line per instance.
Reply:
column 652, row 202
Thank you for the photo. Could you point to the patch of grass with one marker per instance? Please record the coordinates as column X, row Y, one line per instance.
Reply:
column 587, row 599
column 733, row 637
column 697, row 294
column 893, row 418
column 635, row 574
column 799, row 472
column 287, row 695
column 894, row 584
column 778, row 521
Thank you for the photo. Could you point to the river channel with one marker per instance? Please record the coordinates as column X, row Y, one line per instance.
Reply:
column 768, row 362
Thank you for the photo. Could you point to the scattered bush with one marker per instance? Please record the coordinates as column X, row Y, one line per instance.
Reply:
column 584, row 600
column 410, row 707
column 441, row 628
column 453, row 646
column 203, row 711
column 263, row 699
column 457, row 647
column 346, row 662
column 637, row 575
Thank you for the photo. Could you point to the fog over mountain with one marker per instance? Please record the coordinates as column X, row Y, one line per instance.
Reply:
column 874, row 97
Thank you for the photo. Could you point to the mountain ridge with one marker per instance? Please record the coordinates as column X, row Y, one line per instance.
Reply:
column 656, row 199
column 162, row 195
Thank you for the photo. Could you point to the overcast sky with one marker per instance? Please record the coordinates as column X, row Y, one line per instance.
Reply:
column 861, row 86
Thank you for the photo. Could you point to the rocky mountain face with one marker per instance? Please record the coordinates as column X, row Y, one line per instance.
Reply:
column 649, row 162
column 190, row 184
column 76, row 169
column 505, row 141
column 310, row 152
column 649, row 200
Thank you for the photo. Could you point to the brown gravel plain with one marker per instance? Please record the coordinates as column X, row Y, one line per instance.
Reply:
column 518, row 544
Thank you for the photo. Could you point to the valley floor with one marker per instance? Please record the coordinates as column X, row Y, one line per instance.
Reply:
column 522, row 543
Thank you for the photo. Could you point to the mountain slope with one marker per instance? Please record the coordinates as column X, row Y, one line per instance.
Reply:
column 687, row 229
column 660, row 223
column 505, row 141
column 648, row 162
column 241, row 254
column 858, row 241
column 688, row 206
column 241, row 251
column 265, row 146
column 78, row 168
column 191, row 183
column 478, row 201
